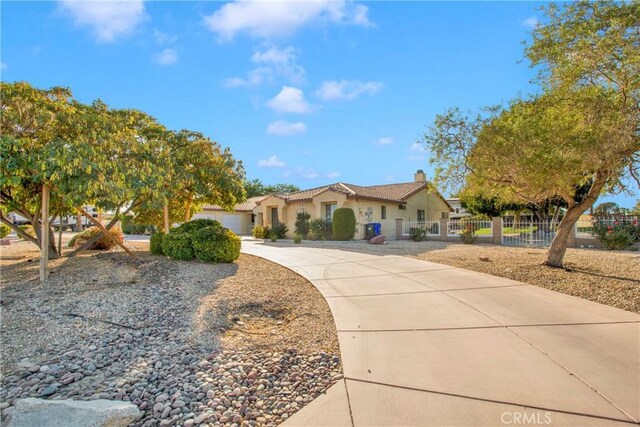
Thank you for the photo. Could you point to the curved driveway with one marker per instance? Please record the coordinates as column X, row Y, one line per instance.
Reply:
column 429, row 344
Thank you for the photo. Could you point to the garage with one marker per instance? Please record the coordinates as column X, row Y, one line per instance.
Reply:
column 232, row 222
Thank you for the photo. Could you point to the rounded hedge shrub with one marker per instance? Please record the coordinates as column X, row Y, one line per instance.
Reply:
column 343, row 224
column 212, row 244
column 178, row 246
column 155, row 243
column 103, row 243
column 260, row 232
column 196, row 224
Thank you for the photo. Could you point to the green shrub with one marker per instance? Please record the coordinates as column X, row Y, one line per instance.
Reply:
column 467, row 235
column 617, row 236
column 196, row 224
column 178, row 246
column 280, row 230
column 297, row 239
column 155, row 243
column 260, row 232
column 273, row 236
column 4, row 230
column 133, row 228
column 343, row 224
column 417, row 234
column 302, row 224
column 103, row 243
column 28, row 228
column 320, row 229
column 212, row 244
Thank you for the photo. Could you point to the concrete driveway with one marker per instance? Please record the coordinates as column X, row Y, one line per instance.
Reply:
column 428, row 344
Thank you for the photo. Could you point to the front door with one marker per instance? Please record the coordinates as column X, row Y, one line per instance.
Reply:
column 274, row 216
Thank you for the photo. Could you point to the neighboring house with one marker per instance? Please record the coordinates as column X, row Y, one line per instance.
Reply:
column 241, row 220
column 410, row 201
column 457, row 210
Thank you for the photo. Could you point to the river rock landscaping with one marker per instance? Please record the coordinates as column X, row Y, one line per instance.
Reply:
column 189, row 343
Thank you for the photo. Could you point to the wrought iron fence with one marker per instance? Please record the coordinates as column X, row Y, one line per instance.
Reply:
column 584, row 226
column 480, row 227
column 528, row 233
column 432, row 228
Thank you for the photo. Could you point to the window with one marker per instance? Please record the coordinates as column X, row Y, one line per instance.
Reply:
column 274, row 216
column 457, row 210
column 402, row 207
column 253, row 218
column 383, row 212
column 421, row 216
column 329, row 210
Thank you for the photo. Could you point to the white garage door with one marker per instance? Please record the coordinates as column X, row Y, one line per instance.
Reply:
column 232, row 222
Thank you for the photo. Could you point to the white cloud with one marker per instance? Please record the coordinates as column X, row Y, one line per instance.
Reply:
column 531, row 22
column 162, row 38
column 271, row 162
column 268, row 19
column 290, row 100
column 274, row 63
column 416, row 157
column 333, row 174
column 284, row 128
column 345, row 89
column 108, row 19
column 308, row 173
column 166, row 57
column 416, row 146
column 386, row 140
column 3, row 66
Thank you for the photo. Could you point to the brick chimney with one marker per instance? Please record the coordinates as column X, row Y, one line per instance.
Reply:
column 420, row 176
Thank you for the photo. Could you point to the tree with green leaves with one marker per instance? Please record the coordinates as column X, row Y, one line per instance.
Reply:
column 607, row 208
column 576, row 140
column 255, row 187
column 200, row 172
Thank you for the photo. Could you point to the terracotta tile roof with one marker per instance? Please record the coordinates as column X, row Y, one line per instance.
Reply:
column 391, row 192
column 246, row 206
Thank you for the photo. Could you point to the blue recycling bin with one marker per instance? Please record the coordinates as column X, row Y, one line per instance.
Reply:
column 372, row 229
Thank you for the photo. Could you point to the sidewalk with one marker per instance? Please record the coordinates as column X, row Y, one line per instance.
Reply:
column 428, row 344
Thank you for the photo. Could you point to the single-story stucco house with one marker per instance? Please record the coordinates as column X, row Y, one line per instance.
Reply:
column 410, row 201
column 240, row 221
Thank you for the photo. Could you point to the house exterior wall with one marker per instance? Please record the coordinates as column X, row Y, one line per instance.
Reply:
column 245, row 218
column 366, row 211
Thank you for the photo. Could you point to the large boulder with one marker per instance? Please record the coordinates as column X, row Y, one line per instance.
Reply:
column 33, row 412
column 378, row 240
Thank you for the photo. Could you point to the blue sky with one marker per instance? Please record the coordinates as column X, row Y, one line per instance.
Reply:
column 302, row 92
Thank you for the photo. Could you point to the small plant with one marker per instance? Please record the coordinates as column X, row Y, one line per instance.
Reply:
column 281, row 230
column 297, row 239
column 155, row 243
column 260, row 232
column 273, row 236
column 617, row 236
column 4, row 230
column 302, row 224
column 467, row 235
column 417, row 234
column 103, row 243
column 178, row 246
column 210, row 244
column 343, row 224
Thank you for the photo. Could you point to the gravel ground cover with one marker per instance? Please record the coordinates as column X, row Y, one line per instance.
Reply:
column 606, row 277
column 242, row 344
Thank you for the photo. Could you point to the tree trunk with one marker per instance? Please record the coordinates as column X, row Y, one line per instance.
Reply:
column 559, row 243
column 60, row 236
column 165, row 214
column 44, row 248
column 187, row 213
column 19, row 232
column 78, row 223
